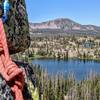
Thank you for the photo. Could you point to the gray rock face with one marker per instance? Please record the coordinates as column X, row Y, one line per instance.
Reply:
column 5, row 90
column 16, row 27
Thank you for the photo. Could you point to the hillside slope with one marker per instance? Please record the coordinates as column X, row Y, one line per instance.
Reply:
column 63, row 25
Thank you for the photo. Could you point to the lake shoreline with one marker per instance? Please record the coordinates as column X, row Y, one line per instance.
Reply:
column 48, row 57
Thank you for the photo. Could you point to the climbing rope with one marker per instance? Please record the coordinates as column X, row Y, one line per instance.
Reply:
column 8, row 69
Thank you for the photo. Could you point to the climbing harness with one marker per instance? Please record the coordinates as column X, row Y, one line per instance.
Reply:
column 8, row 69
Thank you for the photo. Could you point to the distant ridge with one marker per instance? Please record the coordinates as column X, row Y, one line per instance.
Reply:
column 63, row 25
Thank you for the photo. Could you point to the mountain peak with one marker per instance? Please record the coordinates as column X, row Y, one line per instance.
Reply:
column 64, row 24
column 58, row 23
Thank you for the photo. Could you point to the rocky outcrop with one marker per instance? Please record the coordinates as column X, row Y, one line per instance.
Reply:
column 5, row 90
column 16, row 27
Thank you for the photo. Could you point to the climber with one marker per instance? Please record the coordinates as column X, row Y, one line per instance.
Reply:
column 6, row 8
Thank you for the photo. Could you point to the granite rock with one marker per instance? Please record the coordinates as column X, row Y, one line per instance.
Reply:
column 16, row 27
column 5, row 90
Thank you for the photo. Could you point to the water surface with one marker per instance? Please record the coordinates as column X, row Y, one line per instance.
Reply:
column 78, row 67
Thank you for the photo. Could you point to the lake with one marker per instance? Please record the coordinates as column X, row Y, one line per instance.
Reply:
column 78, row 67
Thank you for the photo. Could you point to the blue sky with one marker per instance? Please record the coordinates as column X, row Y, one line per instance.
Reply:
column 81, row 11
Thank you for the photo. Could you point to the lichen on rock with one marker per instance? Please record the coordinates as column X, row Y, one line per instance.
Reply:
column 16, row 27
column 30, row 91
